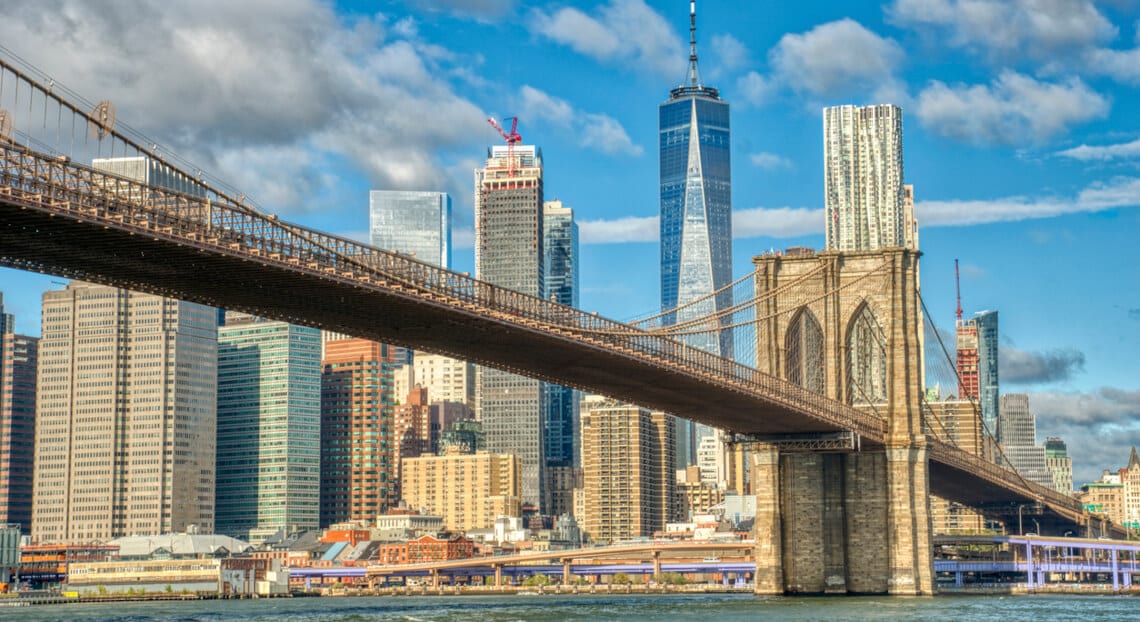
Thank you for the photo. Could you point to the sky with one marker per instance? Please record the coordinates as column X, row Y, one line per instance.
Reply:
column 1021, row 138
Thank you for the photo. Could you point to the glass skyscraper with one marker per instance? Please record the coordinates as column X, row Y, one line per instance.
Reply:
column 977, row 341
column 696, row 215
column 560, row 265
column 269, row 427
column 412, row 222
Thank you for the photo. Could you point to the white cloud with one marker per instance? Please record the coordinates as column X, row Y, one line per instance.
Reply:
column 730, row 54
column 1087, row 153
column 1014, row 109
column 284, row 86
column 484, row 10
column 780, row 222
column 1120, row 192
column 834, row 59
column 1120, row 65
column 769, row 161
column 1007, row 29
column 620, row 230
column 624, row 32
column 754, row 88
column 594, row 130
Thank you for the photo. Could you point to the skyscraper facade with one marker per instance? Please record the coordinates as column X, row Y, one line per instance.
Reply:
column 560, row 262
column 125, row 424
column 418, row 223
column 509, row 253
column 1059, row 464
column 977, row 354
column 626, row 469
column 18, row 362
column 695, row 184
column 864, row 197
column 358, row 479
column 269, row 427
column 1019, row 439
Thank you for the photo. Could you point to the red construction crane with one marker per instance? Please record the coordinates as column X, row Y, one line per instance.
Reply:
column 511, row 138
column 958, row 288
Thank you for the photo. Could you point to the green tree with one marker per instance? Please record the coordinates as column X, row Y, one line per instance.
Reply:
column 621, row 578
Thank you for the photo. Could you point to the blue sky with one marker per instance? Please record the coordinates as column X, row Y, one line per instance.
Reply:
column 1021, row 138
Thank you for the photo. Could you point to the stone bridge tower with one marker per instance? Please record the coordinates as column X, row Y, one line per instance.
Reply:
column 854, row 518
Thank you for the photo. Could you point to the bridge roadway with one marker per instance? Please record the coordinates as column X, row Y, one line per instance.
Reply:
column 58, row 217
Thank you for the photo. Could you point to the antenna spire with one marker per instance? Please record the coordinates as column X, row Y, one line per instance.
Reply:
column 958, row 288
column 694, row 77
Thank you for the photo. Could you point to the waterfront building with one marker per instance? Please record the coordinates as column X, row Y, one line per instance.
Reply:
column 695, row 190
column 712, row 461
column 626, row 460
column 560, row 262
column 269, row 427
column 358, row 477
column 1019, row 439
column 977, row 353
column 1104, row 498
column 411, row 222
column 1060, row 465
column 125, row 415
column 509, row 253
column 468, row 490
column 18, row 361
column 866, row 204
column 1130, row 478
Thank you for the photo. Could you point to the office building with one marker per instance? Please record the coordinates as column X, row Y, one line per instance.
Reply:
column 1060, row 465
column 1130, row 479
column 560, row 250
column 468, row 490
column 358, row 476
column 18, row 361
column 509, row 254
column 269, row 427
column 413, row 223
column 626, row 470
column 446, row 379
column 695, row 189
column 125, row 415
column 144, row 169
column 1019, row 439
column 866, row 204
column 977, row 345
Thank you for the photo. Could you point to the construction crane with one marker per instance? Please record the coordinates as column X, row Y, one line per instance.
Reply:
column 958, row 288
column 511, row 138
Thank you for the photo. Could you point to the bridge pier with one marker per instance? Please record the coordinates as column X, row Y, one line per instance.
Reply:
column 854, row 523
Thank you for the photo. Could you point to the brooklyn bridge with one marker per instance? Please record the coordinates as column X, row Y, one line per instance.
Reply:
column 844, row 449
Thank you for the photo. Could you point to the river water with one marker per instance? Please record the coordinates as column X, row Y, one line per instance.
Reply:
column 642, row 608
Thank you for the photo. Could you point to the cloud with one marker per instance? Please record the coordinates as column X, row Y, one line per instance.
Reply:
column 594, row 130
column 1099, row 427
column 483, row 10
column 835, row 59
column 620, row 230
column 1014, row 109
column 1024, row 367
column 779, row 222
column 1119, row 192
column 729, row 52
column 1005, row 30
column 1120, row 65
column 1103, row 153
column 284, row 87
column 622, row 32
column 754, row 88
column 769, row 161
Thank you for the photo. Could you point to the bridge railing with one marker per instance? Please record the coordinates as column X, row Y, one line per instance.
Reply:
column 215, row 220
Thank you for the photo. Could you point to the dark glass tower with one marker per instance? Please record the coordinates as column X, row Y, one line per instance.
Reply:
column 696, row 212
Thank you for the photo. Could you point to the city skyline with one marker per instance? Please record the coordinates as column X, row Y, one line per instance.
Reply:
column 1058, row 163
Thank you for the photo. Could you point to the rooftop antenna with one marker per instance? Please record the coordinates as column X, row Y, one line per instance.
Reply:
column 958, row 288
column 694, row 78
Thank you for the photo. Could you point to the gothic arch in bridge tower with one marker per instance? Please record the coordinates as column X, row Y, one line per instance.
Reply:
column 803, row 347
column 866, row 364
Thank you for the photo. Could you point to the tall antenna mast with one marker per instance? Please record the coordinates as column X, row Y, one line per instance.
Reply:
column 694, row 78
column 958, row 288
